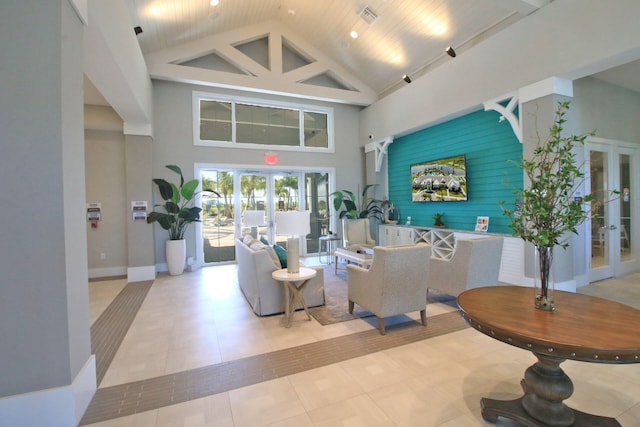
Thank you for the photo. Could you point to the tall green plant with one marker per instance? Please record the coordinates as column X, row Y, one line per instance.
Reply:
column 178, row 207
column 345, row 203
column 549, row 207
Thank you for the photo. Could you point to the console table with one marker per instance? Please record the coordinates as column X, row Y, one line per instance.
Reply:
column 582, row 328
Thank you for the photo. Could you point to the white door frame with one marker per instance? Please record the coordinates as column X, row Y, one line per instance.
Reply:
column 615, row 266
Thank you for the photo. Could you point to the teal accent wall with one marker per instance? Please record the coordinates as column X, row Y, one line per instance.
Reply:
column 492, row 152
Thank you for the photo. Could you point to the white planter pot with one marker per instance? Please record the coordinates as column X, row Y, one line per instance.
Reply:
column 176, row 252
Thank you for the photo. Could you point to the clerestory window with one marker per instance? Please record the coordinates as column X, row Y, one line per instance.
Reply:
column 251, row 123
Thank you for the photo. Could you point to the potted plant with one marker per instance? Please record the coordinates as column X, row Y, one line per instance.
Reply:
column 548, row 208
column 346, row 204
column 177, row 213
column 437, row 220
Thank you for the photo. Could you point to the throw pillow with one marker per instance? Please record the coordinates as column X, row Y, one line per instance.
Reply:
column 282, row 255
column 264, row 240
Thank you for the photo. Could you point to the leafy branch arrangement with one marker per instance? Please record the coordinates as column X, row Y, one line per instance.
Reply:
column 178, row 207
column 369, row 208
column 549, row 207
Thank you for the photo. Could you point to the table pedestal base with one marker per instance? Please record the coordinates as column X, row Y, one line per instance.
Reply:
column 545, row 386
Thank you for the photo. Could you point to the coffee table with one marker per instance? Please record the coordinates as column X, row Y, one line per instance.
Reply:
column 582, row 328
column 357, row 255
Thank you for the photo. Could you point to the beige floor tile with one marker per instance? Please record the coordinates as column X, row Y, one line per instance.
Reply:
column 359, row 411
column 265, row 403
column 301, row 420
column 212, row 411
column 324, row 386
column 377, row 370
column 414, row 402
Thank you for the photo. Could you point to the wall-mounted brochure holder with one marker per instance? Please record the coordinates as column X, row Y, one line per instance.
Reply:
column 139, row 210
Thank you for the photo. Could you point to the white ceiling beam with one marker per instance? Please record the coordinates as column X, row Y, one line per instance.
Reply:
column 163, row 65
column 265, row 84
column 523, row 7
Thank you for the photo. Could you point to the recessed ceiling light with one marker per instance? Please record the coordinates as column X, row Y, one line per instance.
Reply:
column 354, row 34
column 292, row 12
column 214, row 2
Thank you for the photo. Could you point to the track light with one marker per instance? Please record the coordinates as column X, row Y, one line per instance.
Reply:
column 451, row 52
column 406, row 78
column 137, row 30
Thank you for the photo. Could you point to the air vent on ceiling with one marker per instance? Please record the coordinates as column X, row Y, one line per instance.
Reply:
column 368, row 15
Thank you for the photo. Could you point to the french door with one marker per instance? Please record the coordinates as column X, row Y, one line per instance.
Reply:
column 612, row 166
column 267, row 191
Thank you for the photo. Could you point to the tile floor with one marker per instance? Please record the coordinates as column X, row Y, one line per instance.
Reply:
column 201, row 318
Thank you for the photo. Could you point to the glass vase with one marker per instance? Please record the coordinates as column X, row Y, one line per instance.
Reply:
column 543, row 282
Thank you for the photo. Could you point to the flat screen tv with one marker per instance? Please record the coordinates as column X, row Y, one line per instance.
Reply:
column 442, row 180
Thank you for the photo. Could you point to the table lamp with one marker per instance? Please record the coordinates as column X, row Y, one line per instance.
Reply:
column 293, row 224
column 253, row 219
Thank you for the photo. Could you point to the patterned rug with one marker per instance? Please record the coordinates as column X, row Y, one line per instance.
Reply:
column 336, row 308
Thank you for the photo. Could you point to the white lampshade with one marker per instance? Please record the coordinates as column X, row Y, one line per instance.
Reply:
column 253, row 218
column 293, row 223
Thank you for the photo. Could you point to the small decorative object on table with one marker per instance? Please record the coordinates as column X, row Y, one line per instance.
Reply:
column 437, row 220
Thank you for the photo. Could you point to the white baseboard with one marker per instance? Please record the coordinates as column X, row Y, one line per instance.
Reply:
column 60, row 406
column 107, row 272
column 139, row 274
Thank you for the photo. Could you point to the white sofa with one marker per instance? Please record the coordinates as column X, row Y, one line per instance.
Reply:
column 264, row 294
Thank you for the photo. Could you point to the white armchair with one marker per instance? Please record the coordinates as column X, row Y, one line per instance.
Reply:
column 474, row 263
column 395, row 284
column 357, row 232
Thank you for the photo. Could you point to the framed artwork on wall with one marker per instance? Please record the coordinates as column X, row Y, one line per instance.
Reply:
column 441, row 180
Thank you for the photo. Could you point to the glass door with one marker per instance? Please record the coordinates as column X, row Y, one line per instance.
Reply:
column 259, row 190
column 611, row 168
column 216, row 232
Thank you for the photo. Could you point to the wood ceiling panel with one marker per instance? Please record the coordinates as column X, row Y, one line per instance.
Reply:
column 399, row 42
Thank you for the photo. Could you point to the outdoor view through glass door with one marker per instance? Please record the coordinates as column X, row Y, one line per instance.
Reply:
column 268, row 192
column 612, row 250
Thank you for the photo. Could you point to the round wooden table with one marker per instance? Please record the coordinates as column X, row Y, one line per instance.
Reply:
column 582, row 328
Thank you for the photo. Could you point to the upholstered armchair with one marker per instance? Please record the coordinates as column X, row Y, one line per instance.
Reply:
column 474, row 263
column 356, row 232
column 395, row 283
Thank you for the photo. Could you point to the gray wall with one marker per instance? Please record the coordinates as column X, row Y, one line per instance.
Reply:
column 44, row 320
column 105, row 183
column 173, row 144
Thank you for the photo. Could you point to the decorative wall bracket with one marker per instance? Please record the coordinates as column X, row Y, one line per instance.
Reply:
column 380, row 148
column 509, row 107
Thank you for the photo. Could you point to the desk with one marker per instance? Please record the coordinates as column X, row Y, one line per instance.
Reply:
column 582, row 328
column 293, row 287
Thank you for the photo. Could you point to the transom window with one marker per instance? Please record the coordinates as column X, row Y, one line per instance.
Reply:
column 251, row 123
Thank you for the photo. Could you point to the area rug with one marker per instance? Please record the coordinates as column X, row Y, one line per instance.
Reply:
column 336, row 308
